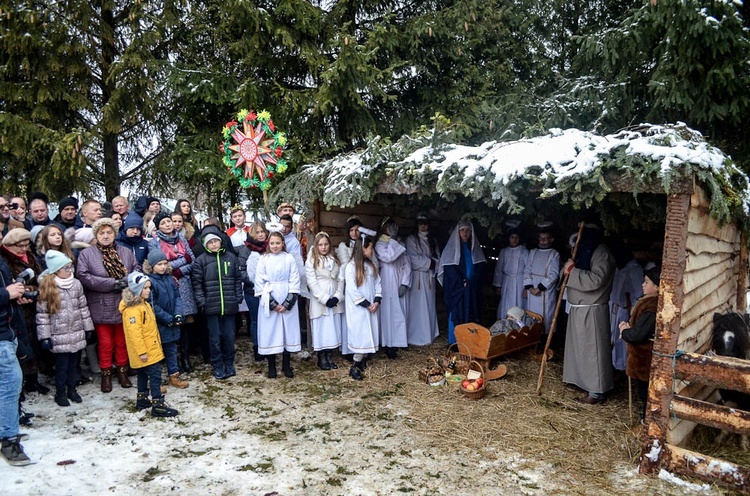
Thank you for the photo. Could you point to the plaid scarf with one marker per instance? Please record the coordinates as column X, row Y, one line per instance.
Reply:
column 112, row 263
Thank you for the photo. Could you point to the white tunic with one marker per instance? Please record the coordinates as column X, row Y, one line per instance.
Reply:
column 276, row 277
column 363, row 333
column 627, row 281
column 344, row 254
column 421, row 320
column 509, row 274
column 542, row 266
column 325, row 281
column 395, row 270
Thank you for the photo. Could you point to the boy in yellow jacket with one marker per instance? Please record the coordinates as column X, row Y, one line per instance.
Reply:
column 143, row 343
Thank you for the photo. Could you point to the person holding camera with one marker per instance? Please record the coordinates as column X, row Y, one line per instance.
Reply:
column 103, row 269
column 16, row 253
column 63, row 323
column 14, row 347
column 167, row 306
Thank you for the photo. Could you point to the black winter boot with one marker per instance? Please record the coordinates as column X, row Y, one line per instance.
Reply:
column 160, row 409
column 286, row 366
column 257, row 357
column 229, row 367
column 142, row 402
column 61, row 398
column 73, row 395
column 32, row 384
column 330, row 362
column 271, row 366
column 355, row 372
column 322, row 362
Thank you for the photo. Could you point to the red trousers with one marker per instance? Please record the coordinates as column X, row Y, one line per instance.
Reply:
column 111, row 338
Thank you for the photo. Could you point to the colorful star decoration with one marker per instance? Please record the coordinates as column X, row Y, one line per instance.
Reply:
column 252, row 149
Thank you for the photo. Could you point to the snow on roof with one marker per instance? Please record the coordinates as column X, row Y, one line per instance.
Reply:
column 426, row 165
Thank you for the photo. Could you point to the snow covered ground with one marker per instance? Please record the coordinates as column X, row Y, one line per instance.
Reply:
column 319, row 433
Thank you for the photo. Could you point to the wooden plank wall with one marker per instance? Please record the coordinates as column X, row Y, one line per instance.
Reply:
column 710, row 283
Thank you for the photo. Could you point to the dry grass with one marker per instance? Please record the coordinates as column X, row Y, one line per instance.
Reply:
column 581, row 441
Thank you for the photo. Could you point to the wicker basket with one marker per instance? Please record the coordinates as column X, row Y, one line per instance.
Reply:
column 433, row 375
column 460, row 355
column 475, row 371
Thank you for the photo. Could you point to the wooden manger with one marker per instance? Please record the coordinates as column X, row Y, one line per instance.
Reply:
column 485, row 347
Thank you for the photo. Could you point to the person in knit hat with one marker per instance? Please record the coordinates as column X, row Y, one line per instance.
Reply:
column 68, row 215
column 63, row 323
column 103, row 269
column 217, row 287
column 144, row 344
column 167, row 305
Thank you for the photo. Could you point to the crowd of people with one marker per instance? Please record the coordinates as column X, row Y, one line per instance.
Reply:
column 129, row 291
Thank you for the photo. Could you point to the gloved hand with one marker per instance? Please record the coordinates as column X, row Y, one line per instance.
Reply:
column 332, row 302
column 290, row 300
column 46, row 344
column 121, row 284
column 402, row 290
column 172, row 322
column 177, row 273
column 188, row 258
column 90, row 337
column 179, row 319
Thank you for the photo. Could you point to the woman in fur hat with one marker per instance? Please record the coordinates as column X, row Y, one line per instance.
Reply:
column 103, row 269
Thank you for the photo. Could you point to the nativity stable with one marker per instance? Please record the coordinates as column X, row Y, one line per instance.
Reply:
column 664, row 190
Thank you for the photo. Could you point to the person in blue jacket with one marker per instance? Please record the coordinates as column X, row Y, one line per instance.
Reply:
column 131, row 237
column 167, row 305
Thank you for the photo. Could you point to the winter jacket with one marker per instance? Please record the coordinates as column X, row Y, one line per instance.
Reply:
column 136, row 244
column 16, row 266
column 141, row 331
column 180, row 265
column 217, row 285
column 99, row 287
column 166, row 303
column 12, row 322
column 66, row 328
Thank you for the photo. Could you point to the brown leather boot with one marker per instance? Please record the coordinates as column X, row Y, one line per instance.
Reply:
column 122, row 377
column 176, row 381
column 106, row 380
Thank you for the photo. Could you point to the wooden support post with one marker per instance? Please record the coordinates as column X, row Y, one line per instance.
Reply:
column 742, row 277
column 668, row 317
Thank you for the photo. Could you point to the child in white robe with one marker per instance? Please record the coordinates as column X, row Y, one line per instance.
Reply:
column 277, row 284
column 325, row 278
column 363, row 296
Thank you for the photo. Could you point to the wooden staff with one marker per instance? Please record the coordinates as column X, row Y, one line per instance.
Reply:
column 554, row 317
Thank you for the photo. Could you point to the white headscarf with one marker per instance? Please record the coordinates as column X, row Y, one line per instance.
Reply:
column 452, row 252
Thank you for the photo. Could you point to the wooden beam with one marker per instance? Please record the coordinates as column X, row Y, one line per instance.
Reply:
column 742, row 277
column 712, row 415
column 668, row 318
column 718, row 371
column 685, row 462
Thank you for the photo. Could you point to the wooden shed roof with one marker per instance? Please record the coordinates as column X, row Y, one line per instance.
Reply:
column 579, row 166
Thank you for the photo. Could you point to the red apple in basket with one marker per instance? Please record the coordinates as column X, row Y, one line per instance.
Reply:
column 479, row 382
column 471, row 387
column 465, row 383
